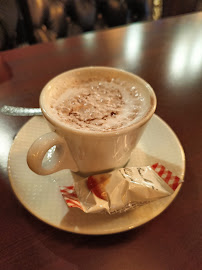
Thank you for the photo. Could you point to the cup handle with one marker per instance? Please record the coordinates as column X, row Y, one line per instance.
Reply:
column 62, row 156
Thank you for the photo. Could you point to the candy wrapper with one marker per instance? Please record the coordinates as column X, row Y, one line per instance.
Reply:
column 121, row 189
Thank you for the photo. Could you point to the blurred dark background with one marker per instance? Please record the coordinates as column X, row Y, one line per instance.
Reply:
column 26, row 22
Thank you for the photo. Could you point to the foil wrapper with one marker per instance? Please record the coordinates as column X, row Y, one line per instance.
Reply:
column 121, row 189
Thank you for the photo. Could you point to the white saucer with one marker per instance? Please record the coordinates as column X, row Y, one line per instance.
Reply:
column 41, row 196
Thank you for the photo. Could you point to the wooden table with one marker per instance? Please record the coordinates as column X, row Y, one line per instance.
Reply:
column 168, row 54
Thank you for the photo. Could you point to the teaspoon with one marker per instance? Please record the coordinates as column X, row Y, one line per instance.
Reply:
column 20, row 111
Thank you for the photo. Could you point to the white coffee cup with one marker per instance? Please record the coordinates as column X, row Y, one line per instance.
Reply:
column 88, row 151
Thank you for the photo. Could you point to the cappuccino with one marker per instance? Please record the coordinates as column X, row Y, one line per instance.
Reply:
column 97, row 104
column 96, row 116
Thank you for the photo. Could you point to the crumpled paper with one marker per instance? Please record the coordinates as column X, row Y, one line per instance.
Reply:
column 121, row 189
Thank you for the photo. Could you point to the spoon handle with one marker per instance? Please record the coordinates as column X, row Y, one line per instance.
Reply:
column 20, row 111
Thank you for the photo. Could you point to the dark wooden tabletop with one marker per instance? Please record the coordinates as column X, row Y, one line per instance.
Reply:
column 166, row 53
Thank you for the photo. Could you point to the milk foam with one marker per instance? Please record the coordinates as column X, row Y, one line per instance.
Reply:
column 99, row 105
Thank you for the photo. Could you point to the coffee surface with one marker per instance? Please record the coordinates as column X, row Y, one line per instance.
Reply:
column 99, row 105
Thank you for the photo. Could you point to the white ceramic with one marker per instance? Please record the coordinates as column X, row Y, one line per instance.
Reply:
column 83, row 150
column 40, row 195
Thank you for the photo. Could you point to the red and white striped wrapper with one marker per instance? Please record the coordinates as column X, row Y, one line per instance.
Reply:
column 105, row 192
column 167, row 176
column 70, row 197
